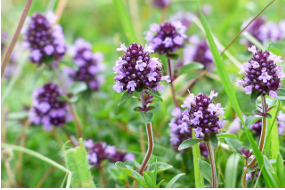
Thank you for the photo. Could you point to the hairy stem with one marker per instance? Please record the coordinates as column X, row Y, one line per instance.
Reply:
column 101, row 171
column 15, row 37
column 261, row 142
column 71, row 105
column 171, row 83
column 213, row 165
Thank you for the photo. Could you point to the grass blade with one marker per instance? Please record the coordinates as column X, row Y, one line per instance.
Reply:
column 173, row 180
column 230, row 91
column 199, row 180
column 125, row 20
column 231, row 171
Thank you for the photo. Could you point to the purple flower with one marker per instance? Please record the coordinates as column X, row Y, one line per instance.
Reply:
column 98, row 152
column 46, row 42
column 262, row 73
column 167, row 37
column 202, row 114
column 264, row 31
column 47, row 109
column 160, row 3
column 198, row 52
column 136, row 70
column 281, row 122
column 89, row 63
column 185, row 18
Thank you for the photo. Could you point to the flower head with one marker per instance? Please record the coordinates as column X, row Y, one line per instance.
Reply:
column 167, row 37
column 203, row 115
column 262, row 73
column 47, row 109
column 180, row 131
column 98, row 152
column 45, row 41
column 136, row 70
column 198, row 52
column 89, row 65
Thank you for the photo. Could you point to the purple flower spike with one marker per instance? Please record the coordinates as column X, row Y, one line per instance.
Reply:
column 47, row 109
column 167, row 37
column 180, row 131
column 281, row 122
column 202, row 114
column 98, row 152
column 136, row 70
column 89, row 63
column 42, row 39
column 262, row 73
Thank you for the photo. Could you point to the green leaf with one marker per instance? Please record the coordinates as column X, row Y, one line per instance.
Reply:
column 158, row 185
column 69, row 63
column 234, row 144
column 65, row 98
column 280, row 168
column 155, row 94
column 124, row 168
column 124, row 97
column 281, row 94
column 254, row 95
column 199, row 180
column 148, row 180
column 226, row 135
column 137, row 108
column 125, row 21
column 251, row 120
column 267, row 164
column 17, row 115
column 256, row 112
column 76, row 161
column 205, row 169
column 268, row 115
column 186, row 68
column 172, row 56
column 269, row 169
column 188, row 143
column 77, row 87
column 214, row 140
column 147, row 116
column 173, row 180
column 153, row 175
column 140, row 179
column 161, row 166
column 231, row 171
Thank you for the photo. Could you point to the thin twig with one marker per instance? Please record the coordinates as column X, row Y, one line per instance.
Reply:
column 171, row 83
column 213, row 165
column 141, row 139
column 101, row 171
column 59, row 9
column 15, row 37
column 163, row 16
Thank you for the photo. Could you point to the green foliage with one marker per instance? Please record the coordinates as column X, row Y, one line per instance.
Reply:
column 186, row 68
column 199, row 180
column 226, row 135
column 205, row 169
column 188, row 143
column 214, row 140
column 124, row 97
column 155, row 94
column 76, row 161
column 231, row 173
column 77, row 87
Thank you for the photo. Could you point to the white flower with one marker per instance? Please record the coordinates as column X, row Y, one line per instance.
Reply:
column 166, row 78
column 122, row 48
column 131, row 85
column 151, row 76
column 140, row 65
column 148, row 48
column 213, row 94
column 252, row 49
column 264, row 77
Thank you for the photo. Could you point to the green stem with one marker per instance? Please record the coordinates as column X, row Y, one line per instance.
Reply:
column 213, row 165
column 171, row 83
column 261, row 142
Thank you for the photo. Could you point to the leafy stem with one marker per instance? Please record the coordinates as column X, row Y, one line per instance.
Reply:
column 261, row 142
column 213, row 165
column 171, row 83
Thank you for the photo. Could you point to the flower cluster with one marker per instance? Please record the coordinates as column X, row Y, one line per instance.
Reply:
column 264, row 31
column 253, row 175
column 256, row 127
column 281, row 122
column 262, row 73
column 180, row 132
column 202, row 114
column 44, row 40
column 47, row 109
column 185, row 18
column 167, row 37
column 98, row 152
column 161, row 3
column 198, row 52
column 89, row 65
column 136, row 70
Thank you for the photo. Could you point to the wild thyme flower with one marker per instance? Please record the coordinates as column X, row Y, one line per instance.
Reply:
column 185, row 18
column 202, row 114
column 256, row 127
column 262, row 30
column 136, row 70
column 198, row 52
column 281, row 122
column 45, row 41
column 161, row 3
column 98, row 152
column 180, row 131
column 89, row 63
column 167, row 37
column 47, row 109
column 262, row 73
